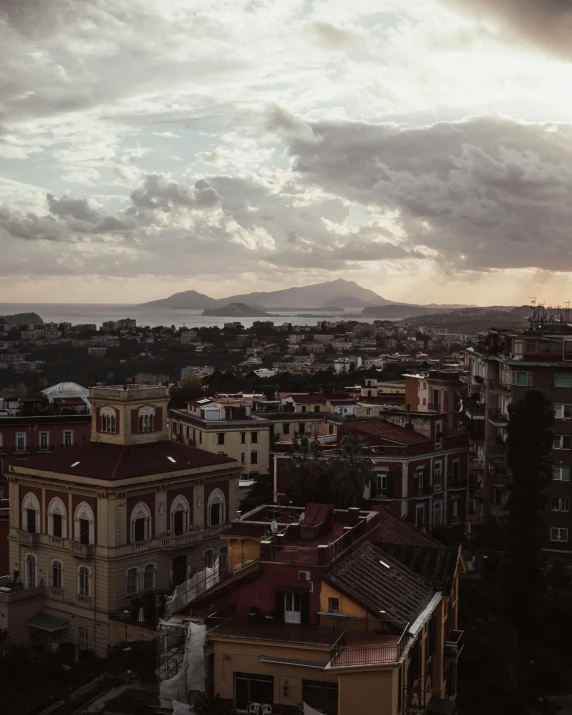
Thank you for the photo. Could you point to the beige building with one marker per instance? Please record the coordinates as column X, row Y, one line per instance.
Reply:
column 98, row 528
column 226, row 427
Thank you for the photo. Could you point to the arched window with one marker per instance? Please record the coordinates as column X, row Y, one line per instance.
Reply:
column 31, row 521
column 208, row 559
column 146, row 419
column 216, row 508
column 222, row 558
column 132, row 582
column 84, row 524
column 107, row 418
column 83, row 585
column 180, row 516
column 149, row 577
column 57, row 518
column 140, row 523
column 56, row 574
column 30, row 571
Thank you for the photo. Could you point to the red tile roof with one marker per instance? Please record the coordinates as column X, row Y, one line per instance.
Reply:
column 116, row 461
column 388, row 430
column 392, row 529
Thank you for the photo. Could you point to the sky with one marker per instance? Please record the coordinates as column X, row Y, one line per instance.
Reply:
column 420, row 148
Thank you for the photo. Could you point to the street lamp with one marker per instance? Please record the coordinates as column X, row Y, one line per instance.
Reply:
column 126, row 613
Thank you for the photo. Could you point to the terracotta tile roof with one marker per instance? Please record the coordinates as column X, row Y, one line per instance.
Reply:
column 116, row 461
column 389, row 431
column 392, row 529
column 227, row 583
column 378, row 582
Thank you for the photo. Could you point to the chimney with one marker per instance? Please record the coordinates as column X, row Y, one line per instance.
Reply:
column 266, row 550
column 353, row 515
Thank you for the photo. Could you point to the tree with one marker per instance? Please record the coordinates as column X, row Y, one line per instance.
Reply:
column 521, row 587
column 350, row 471
column 308, row 468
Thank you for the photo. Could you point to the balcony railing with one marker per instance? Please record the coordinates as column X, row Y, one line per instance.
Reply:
column 499, row 387
column 173, row 542
column 498, row 418
column 454, row 644
column 81, row 551
column 25, row 537
column 475, row 411
column 268, row 630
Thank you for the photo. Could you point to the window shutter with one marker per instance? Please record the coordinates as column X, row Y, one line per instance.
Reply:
column 279, row 610
column 305, row 608
column 389, row 487
column 529, row 379
column 134, row 422
column 158, row 419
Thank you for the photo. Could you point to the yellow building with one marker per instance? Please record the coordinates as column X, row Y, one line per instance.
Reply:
column 346, row 611
column 97, row 528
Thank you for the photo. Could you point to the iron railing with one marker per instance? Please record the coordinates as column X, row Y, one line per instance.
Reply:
column 271, row 631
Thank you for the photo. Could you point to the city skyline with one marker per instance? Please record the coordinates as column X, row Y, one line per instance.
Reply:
column 422, row 151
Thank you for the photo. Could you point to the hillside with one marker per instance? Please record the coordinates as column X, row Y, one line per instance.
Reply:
column 236, row 310
column 186, row 300
column 474, row 320
column 387, row 312
column 20, row 318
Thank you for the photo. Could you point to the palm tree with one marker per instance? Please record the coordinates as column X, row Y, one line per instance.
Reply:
column 309, row 482
column 350, row 471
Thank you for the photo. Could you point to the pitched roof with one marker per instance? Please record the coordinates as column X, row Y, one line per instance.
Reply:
column 389, row 431
column 436, row 564
column 226, row 584
column 392, row 529
column 117, row 461
column 378, row 582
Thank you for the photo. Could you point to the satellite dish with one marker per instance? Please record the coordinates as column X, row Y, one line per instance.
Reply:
column 301, row 518
column 274, row 526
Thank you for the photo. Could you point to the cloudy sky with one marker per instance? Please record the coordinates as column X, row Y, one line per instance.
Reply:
column 421, row 148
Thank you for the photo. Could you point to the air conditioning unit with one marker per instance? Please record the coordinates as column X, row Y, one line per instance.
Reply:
column 304, row 575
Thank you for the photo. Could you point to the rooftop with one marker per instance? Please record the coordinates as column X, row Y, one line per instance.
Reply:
column 116, row 461
column 389, row 431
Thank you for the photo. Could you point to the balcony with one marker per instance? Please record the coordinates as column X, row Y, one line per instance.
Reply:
column 81, row 551
column 498, row 418
column 266, row 629
column 454, row 644
column 499, row 387
column 475, row 411
column 25, row 537
column 174, row 542
column 472, row 380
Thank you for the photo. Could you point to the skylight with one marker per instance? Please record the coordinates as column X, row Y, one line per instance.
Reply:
column 171, row 459
column 387, row 566
column 75, row 464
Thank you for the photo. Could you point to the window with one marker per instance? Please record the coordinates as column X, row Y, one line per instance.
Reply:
column 131, row 589
column 331, row 429
column 222, row 558
column 68, row 438
column 20, row 442
column 419, row 473
column 320, row 695
column 252, row 688
column 456, row 472
column 83, row 642
column 438, row 434
column 368, row 412
column 254, row 437
column 302, row 428
column 561, row 441
column 381, row 484
column 558, row 534
column 438, row 474
column 84, row 532
column 316, row 408
column 149, row 577
column 420, row 515
column 562, row 412
column 243, row 438
column 561, row 474
column 563, row 379
column 286, row 428
column 208, row 559
column 57, row 518
column 220, row 438
column 438, row 514
column 560, row 504
column 254, row 458
column 180, row 515
column 56, row 574
column 216, row 508
column 333, row 605
column 292, row 608
column 455, row 509
column 147, row 419
column 520, row 378
column 30, row 571
column 31, row 514
column 107, row 420
column 44, row 441
column 141, row 523
column 517, row 347
column 303, row 408
column 242, row 458
column 83, row 581
column 200, row 437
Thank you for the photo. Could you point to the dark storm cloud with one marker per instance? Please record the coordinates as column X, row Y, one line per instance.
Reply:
column 544, row 23
column 482, row 193
column 158, row 193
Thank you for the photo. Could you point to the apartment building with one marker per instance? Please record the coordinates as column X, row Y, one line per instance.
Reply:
column 505, row 365
column 420, row 469
column 97, row 526
column 343, row 611
column 227, row 427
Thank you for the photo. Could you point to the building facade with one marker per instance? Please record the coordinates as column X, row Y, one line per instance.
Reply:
column 105, row 524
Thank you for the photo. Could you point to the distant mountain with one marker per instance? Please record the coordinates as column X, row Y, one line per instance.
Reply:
column 236, row 310
column 397, row 310
column 20, row 319
column 187, row 300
